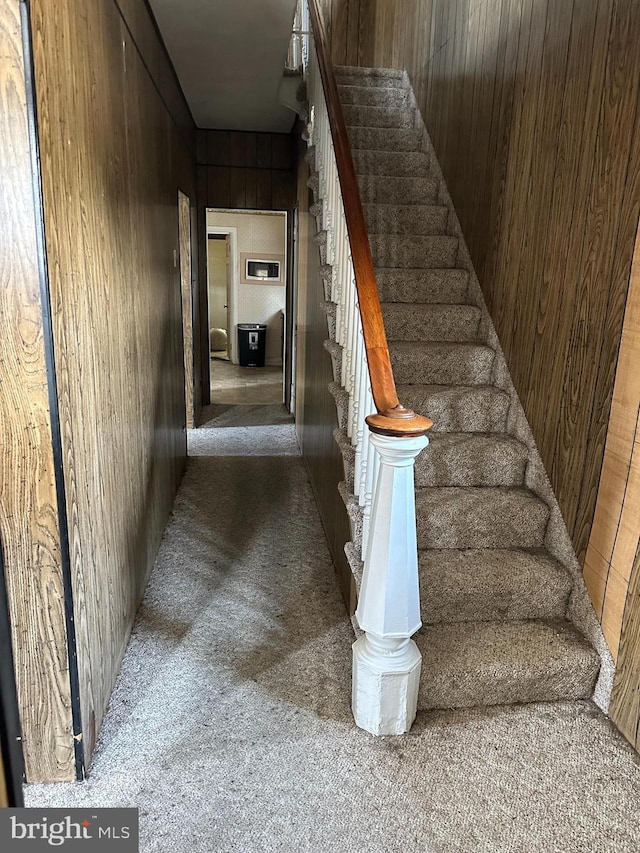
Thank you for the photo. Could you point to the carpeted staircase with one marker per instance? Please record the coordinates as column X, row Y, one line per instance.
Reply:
column 494, row 600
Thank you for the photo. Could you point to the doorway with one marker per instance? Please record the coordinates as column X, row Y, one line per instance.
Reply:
column 218, row 251
column 247, row 297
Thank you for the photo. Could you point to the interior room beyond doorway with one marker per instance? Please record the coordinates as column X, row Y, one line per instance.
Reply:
column 247, row 275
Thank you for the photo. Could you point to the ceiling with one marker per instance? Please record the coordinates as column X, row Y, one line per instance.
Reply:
column 229, row 56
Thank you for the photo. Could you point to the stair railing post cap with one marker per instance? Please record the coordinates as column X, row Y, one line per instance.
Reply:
column 399, row 450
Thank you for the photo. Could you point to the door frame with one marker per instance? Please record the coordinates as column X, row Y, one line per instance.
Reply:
column 291, row 311
column 185, row 261
column 231, row 234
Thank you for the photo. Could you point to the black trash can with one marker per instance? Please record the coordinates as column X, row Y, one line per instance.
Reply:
column 252, row 339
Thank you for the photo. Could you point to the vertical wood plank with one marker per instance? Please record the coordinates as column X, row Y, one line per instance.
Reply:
column 263, row 189
column 110, row 181
column 237, row 188
column 263, row 151
column 625, row 698
column 237, row 148
column 28, row 503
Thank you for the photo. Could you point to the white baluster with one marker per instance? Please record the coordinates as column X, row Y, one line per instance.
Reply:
column 356, row 372
column 372, row 479
column 386, row 661
column 349, row 307
column 350, row 360
column 342, row 255
column 360, row 429
column 337, row 272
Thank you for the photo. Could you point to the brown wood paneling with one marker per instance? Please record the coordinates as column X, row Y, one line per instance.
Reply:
column 252, row 171
column 532, row 106
column 153, row 53
column 611, row 561
column 263, row 151
column 28, row 504
column 625, row 699
column 112, row 162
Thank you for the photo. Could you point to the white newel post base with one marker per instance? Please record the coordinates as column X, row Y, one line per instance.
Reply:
column 386, row 661
column 386, row 678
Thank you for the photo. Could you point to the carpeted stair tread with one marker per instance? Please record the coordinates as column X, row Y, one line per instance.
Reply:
column 471, row 459
column 422, row 285
column 485, row 584
column 410, row 164
column 472, row 517
column 441, row 363
column 384, row 138
column 395, row 190
column 467, row 664
column 415, row 219
column 373, row 96
column 356, row 115
column 405, row 321
column 458, row 408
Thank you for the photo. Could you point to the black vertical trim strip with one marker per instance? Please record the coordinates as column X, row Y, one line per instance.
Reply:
column 10, row 733
column 52, row 384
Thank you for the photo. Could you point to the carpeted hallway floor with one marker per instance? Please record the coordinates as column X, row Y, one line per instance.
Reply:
column 230, row 725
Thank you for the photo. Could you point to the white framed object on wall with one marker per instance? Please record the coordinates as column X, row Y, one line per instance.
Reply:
column 262, row 268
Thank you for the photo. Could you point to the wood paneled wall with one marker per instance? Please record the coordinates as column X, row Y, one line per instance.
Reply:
column 251, row 171
column 28, row 502
column 112, row 160
column 613, row 557
column 615, row 532
column 315, row 413
column 532, row 106
column 144, row 31
column 240, row 170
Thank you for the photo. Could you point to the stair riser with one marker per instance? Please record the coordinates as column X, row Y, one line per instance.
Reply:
column 483, row 462
column 394, row 190
column 356, row 116
column 445, row 605
column 374, row 96
column 470, row 410
column 411, row 164
column 397, row 251
column 441, row 286
column 371, row 81
column 483, row 689
column 479, row 519
column 494, row 663
column 435, row 322
column 442, row 365
column 404, row 219
column 383, row 139
column 494, row 585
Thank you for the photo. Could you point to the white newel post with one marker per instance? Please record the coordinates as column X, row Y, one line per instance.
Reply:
column 386, row 661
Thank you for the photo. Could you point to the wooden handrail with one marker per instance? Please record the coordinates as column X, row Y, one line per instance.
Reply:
column 392, row 418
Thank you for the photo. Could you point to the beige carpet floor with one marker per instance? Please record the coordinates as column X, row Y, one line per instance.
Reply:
column 230, row 725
